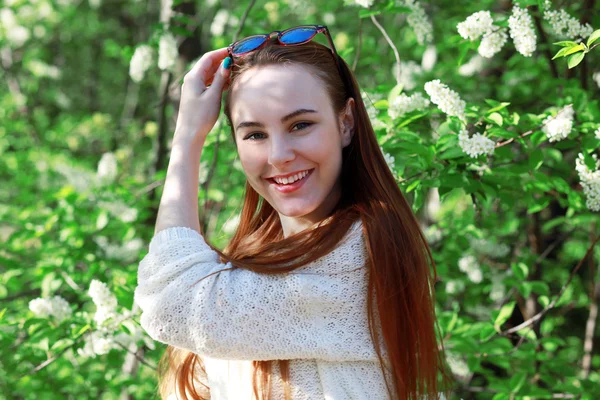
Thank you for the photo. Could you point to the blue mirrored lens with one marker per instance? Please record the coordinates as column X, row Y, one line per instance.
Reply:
column 248, row 45
column 297, row 35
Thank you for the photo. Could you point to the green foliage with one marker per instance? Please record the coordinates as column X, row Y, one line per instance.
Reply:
column 512, row 231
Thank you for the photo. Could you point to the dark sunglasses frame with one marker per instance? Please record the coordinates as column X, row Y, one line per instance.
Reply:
column 317, row 29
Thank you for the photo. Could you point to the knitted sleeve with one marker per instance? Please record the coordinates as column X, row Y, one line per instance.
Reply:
column 318, row 312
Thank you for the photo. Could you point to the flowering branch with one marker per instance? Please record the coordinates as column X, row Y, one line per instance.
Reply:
column 546, row 122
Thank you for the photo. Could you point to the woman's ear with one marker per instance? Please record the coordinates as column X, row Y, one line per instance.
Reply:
column 346, row 120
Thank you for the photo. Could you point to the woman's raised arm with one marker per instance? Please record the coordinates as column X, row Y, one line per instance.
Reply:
column 198, row 112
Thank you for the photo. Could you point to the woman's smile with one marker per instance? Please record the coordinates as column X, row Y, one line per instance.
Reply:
column 290, row 187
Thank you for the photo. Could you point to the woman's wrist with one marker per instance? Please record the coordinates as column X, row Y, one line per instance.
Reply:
column 186, row 138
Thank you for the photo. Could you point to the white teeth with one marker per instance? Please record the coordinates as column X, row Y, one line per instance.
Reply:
column 291, row 179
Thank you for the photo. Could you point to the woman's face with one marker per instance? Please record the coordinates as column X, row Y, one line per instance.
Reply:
column 284, row 124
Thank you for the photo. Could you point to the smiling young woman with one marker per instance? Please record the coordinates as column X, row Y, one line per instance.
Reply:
column 326, row 288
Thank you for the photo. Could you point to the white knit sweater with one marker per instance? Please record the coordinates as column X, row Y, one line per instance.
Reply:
column 315, row 316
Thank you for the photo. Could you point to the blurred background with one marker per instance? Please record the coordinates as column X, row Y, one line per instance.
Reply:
column 492, row 141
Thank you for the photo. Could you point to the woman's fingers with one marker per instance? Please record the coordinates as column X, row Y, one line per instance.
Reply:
column 205, row 67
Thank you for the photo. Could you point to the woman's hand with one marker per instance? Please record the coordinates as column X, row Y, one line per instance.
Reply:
column 200, row 105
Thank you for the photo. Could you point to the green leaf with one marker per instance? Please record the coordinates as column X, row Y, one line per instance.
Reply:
column 496, row 106
column 517, row 381
column 528, row 333
column 520, row 270
column 593, row 37
column 487, row 332
column 575, row 59
column 368, row 13
column 496, row 117
column 505, row 313
column 575, row 49
column 413, row 185
column 561, row 52
column 536, row 159
column 568, row 43
column 396, row 90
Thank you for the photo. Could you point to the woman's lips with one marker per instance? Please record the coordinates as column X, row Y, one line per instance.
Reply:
column 290, row 187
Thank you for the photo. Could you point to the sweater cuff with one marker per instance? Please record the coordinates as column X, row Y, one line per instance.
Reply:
column 170, row 234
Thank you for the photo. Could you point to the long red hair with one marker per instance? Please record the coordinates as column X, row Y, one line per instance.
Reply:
column 402, row 273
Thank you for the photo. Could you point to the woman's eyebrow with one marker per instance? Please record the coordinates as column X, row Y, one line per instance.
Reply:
column 246, row 124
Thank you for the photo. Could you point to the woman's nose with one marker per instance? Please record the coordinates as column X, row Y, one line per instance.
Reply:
column 281, row 152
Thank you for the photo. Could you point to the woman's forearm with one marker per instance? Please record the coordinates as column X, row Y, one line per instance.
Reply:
column 179, row 201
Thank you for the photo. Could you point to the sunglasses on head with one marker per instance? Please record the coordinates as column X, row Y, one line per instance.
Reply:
column 289, row 37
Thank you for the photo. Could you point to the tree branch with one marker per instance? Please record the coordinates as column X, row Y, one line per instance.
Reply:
column 389, row 40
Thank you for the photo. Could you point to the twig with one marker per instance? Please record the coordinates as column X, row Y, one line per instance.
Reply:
column 544, row 40
column 389, row 40
column 550, row 306
column 140, row 359
column 51, row 360
column 149, row 187
column 360, row 33
column 243, row 20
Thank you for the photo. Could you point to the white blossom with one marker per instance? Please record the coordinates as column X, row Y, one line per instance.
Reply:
column 476, row 145
column 390, row 161
column 489, row 248
column 522, row 32
column 55, row 306
column 329, row 18
column 433, row 234
column 107, row 168
column 590, row 181
column 429, row 58
column 469, row 265
column 457, row 364
column 127, row 252
column 8, row 19
column 564, row 25
column 558, row 128
column 119, row 210
column 167, row 51
column 419, row 21
column 597, row 133
column 361, row 3
column 475, row 65
column 231, row 224
column 95, row 4
column 18, row 35
column 368, row 100
column 455, row 286
column 96, row 343
column 498, row 289
column 105, row 301
column 408, row 71
column 445, row 98
column 403, row 104
column 476, row 25
column 492, row 42
column 140, row 62
column 596, row 78
column 43, row 70
column 217, row 27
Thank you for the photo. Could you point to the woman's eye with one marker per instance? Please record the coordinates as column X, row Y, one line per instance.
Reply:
column 302, row 125
column 251, row 135
column 305, row 123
